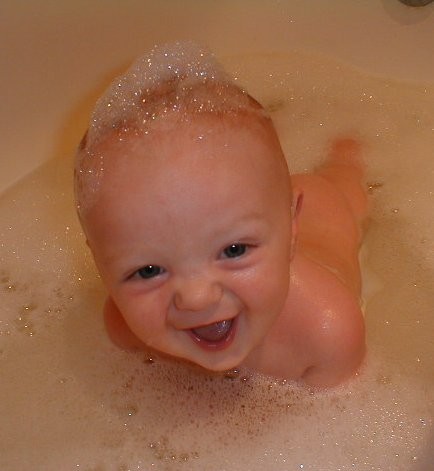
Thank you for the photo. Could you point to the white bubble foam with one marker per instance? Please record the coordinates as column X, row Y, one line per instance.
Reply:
column 182, row 64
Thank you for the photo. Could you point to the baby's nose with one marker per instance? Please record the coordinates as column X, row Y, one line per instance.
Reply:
column 196, row 294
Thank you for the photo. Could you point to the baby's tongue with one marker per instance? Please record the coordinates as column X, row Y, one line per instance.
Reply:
column 213, row 332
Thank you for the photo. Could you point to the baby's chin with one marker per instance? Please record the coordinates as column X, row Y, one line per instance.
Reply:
column 220, row 366
column 219, row 362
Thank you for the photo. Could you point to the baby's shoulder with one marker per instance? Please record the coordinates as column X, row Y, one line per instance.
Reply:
column 327, row 323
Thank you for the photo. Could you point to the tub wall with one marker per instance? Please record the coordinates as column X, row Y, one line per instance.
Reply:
column 56, row 55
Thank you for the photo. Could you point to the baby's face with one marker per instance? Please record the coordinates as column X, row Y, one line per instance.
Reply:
column 192, row 237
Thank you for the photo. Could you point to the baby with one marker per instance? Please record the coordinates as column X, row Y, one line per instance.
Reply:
column 209, row 250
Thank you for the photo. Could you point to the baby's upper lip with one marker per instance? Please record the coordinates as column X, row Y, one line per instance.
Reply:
column 205, row 324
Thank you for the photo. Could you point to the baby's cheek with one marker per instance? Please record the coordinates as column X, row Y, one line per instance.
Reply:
column 142, row 315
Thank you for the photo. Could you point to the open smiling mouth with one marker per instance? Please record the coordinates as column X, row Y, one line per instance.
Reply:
column 215, row 336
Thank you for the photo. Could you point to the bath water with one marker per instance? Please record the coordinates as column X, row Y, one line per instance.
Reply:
column 70, row 400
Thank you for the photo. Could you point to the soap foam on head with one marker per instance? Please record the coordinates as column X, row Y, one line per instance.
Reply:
column 180, row 79
column 162, row 77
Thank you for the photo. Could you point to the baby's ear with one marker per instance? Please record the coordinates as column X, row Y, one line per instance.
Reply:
column 297, row 202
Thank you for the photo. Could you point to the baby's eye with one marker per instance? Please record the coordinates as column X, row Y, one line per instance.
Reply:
column 235, row 250
column 150, row 271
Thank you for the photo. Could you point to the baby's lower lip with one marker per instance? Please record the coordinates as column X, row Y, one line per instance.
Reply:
column 219, row 344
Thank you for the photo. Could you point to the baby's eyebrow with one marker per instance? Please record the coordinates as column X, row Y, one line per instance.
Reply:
column 252, row 222
column 254, row 218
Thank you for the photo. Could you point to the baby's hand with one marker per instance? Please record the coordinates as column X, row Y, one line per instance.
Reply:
column 346, row 151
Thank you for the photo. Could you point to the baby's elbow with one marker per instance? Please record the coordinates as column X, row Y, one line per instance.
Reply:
column 342, row 352
column 350, row 352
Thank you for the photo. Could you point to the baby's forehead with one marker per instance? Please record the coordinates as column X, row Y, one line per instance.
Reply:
column 200, row 159
column 203, row 138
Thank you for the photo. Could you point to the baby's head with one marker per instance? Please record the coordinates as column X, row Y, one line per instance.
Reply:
column 185, row 199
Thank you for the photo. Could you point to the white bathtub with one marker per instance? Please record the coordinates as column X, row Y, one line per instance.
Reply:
column 55, row 58
column 53, row 55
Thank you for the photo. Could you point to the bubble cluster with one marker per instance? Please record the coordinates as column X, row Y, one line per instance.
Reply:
column 179, row 80
column 160, row 81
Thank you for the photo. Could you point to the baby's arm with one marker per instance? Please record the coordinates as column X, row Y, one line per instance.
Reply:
column 329, row 237
column 330, row 225
column 345, row 169
column 330, row 324
column 342, row 350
